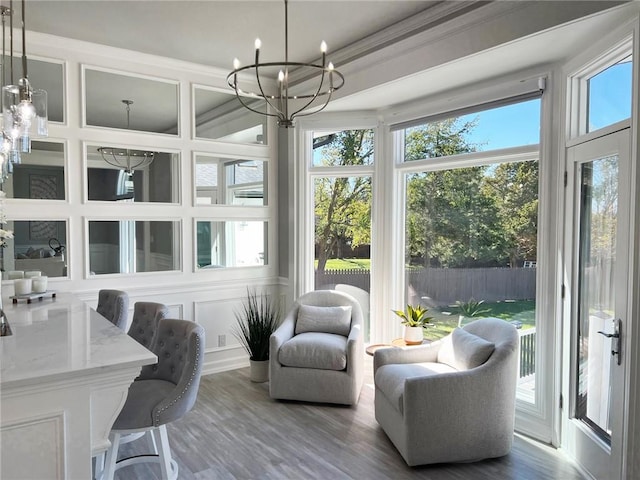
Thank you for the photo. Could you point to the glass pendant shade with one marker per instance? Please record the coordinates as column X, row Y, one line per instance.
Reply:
column 10, row 118
column 41, row 123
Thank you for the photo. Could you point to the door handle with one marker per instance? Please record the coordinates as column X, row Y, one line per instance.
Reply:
column 615, row 344
column 609, row 335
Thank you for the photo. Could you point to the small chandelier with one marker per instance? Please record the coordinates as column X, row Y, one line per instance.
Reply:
column 24, row 109
column 124, row 158
column 283, row 104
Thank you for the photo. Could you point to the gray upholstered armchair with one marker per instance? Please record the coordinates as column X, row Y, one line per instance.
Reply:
column 452, row 400
column 317, row 353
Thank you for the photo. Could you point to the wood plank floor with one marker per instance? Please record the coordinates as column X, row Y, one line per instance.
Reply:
column 236, row 431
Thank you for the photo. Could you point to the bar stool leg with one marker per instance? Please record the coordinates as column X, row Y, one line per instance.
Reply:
column 112, row 455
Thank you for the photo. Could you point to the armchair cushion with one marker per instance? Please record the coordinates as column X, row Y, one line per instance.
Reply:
column 463, row 350
column 390, row 379
column 325, row 351
column 335, row 320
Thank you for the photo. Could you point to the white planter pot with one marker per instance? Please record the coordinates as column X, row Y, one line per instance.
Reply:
column 413, row 335
column 259, row 371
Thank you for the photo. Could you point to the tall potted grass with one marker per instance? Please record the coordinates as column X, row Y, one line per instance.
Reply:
column 257, row 319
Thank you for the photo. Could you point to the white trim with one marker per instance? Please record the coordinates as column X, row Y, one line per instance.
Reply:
column 609, row 48
column 506, row 155
column 608, row 130
column 631, row 439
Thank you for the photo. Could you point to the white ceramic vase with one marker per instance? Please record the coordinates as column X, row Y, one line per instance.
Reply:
column 413, row 335
column 259, row 371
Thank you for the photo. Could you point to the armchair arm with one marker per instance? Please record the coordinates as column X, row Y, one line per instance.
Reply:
column 417, row 354
column 283, row 333
column 355, row 347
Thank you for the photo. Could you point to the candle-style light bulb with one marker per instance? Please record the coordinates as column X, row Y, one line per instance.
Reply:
column 330, row 66
column 323, row 47
column 257, row 44
column 281, row 76
column 236, row 64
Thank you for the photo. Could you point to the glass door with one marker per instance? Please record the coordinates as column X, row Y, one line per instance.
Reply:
column 594, row 420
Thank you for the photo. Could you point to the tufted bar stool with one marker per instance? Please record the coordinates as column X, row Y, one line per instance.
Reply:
column 114, row 306
column 146, row 316
column 162, row 393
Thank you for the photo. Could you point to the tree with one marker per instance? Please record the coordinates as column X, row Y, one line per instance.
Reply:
column 342, row 204
column 513, row 188
column 449, row 222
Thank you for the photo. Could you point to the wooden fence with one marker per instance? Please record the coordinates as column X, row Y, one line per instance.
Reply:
column 357, row 277
column 441, row 286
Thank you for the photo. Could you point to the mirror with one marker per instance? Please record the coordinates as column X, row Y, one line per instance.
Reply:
column 156, row 179
column 229, row 181
column 239, row 243
column 221, row 116
column 41, row 173
column 154, row 106
column 48, row 76
column 133, row 246
column 39, row 245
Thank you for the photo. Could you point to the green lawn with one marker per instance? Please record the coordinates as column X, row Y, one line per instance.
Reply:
column 347, row 263
column 446, row 319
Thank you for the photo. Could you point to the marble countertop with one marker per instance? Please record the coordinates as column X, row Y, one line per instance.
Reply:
column 61, row 338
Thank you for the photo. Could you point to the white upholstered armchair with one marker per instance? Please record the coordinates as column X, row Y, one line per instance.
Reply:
column 317, row 353
column 452, row 400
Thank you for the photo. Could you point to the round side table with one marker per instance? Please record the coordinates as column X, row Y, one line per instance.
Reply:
column 371, row 349
column 398, row 342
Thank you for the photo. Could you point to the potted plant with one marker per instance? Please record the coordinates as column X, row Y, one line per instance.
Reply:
column 470, row 309
column 256, row 321
column 414, row 319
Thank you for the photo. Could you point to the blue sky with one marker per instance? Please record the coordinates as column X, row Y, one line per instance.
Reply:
column 510, row 126
column 519, row 124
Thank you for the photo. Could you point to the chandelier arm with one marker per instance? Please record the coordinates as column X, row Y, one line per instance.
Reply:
column 239, row 97
column 144, row 161
column 300, row 113
column 315, row 95
column 248, row 107
column 114, row 162
column 262, row 94
column 282, row 65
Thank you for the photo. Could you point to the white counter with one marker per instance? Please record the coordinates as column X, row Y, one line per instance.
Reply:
column 64, row 377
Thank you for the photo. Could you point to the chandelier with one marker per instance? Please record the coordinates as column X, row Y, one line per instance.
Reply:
column 24, row 109
column 124, row 158
column 283, row 99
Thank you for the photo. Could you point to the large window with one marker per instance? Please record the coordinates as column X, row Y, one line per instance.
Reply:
column 342, row 213
column 471, row 228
